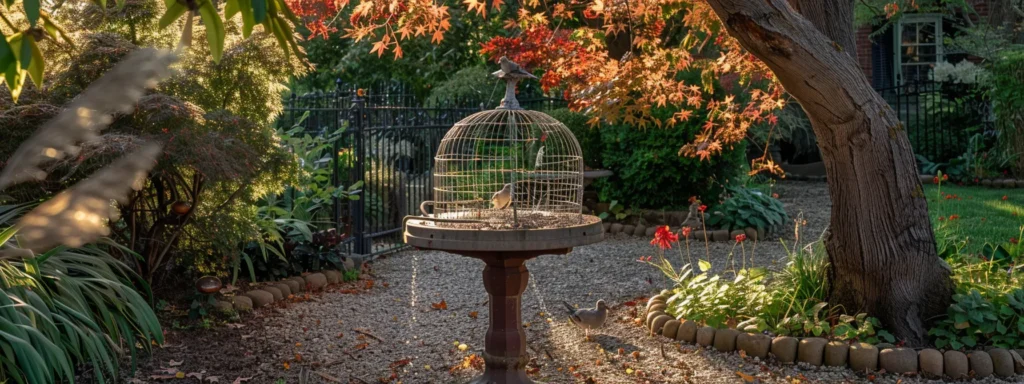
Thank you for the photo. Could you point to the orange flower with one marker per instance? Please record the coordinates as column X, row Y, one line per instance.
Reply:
column 775, row 195
column 693, row 199
column 953, row 217
column 664, row 238
column 741, row 238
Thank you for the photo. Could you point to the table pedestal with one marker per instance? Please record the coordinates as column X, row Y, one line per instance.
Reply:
column 505, row 278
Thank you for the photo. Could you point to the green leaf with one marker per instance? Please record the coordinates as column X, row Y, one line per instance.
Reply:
column 259, row 10
column 704, row 265
column 37, row 65
column 174, row 12
column 215, row 33
column 31, row 11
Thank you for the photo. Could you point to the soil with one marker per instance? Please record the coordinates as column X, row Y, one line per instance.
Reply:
column 407, row 319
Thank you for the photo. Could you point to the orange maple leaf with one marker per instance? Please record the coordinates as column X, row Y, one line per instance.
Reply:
column 442, row 305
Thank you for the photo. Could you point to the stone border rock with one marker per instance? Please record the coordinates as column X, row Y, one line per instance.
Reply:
column 276, row 291
column 993, row 183
column 860, row 357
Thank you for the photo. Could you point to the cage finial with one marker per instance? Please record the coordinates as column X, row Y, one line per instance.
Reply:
column 511, row 73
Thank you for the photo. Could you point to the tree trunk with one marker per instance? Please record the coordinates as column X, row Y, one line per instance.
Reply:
column 880, row 240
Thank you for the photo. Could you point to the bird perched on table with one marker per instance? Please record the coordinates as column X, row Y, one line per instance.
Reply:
column 588, row 318
column 503, row 198
column 510, row 70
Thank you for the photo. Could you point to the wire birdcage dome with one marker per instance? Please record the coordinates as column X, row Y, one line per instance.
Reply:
column 508, row 168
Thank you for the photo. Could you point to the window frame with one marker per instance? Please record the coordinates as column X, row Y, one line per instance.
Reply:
column 917, row 18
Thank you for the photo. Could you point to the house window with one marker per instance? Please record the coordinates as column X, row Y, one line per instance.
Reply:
column 919, row 42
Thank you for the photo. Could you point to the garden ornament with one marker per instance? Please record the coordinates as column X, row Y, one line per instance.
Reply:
column 588, row 318
column 533, row 211
column 502, row 198
column 510, row 70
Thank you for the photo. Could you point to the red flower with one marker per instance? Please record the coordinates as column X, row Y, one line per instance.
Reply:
column 935, row 179
column 1013, row 240
column 664, row 238
column 741, row 238
column 953, row 217
column 643, row 259
column 686, row 232
column 1004, row 197
column 945, row 177
column 775, row 195
column 942, row 218
column 702, row 208
column 693, row 199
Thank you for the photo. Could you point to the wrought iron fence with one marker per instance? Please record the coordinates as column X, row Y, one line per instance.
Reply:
column 940, row 118
column 387, row 140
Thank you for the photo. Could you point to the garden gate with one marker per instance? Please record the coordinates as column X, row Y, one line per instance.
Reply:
column 387, row 139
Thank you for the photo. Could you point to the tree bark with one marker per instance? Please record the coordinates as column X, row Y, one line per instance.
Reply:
column 880, row 240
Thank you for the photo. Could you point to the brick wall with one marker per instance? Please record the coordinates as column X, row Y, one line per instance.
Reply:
column 864, row 50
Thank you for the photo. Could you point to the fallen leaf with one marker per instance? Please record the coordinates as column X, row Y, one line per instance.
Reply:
column 235, row 326
column 385, row 284
column 745, row 377
column 298, row 344
column 213, row 379
column 340, row 335
column 463, row 347
column 286, row 366
column 179, row 375
column 298, row 357
column 369, row 284
column 196, row 375
column 474, row 314
column 442, row 305
column 168, row 371
column 239, row 380
column 162, row 377
column 362, row 346
column 400, row 363
column 173, row 363
column 636, row 355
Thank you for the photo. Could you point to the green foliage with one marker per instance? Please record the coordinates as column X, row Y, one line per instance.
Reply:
column 1007, row 81
column 617, row 211
column 470, row 83
column 709, row 299
column 748, row 208
column 588, row 137
column 650, row 172
column 68, row 307
column 988, row 306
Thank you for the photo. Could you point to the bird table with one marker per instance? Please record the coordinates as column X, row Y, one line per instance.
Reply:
column 505, row 253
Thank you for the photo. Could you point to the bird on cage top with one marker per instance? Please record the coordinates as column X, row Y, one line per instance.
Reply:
column 510, row 70
column 503, row 198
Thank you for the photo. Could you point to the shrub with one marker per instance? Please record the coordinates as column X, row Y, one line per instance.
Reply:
column 68, row 307
column 748, row 208
column 651, row 173
column 1007, row 81
column 589, row 137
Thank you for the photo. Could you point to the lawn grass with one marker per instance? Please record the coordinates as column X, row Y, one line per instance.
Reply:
column 981, row 214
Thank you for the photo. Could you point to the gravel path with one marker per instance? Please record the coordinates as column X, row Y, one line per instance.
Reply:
column 392, row 331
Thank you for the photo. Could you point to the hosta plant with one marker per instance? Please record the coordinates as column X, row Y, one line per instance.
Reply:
column 748, row 208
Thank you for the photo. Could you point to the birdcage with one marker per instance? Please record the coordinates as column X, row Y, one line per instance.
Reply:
column 509, row 168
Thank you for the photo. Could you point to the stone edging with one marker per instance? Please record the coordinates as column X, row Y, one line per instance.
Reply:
column 816, row 351
column 987, row 183
column 277, row 291
column 697, row 234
